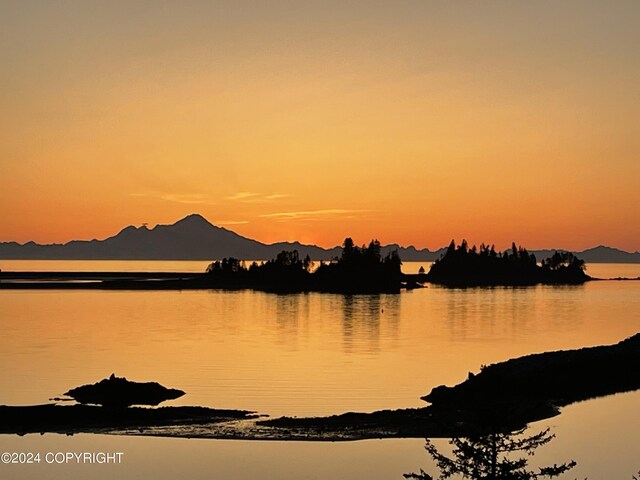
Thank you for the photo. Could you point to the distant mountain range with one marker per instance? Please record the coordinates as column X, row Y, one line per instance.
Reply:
column 194, row 238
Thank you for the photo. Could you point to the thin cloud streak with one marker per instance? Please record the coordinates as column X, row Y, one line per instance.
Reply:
column 186, row 198
column 313, row 214
column 230, row 222
column 242, row 196
column 255, row 197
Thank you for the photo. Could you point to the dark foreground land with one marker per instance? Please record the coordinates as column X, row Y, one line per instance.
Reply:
column 505, row 396
column 94, row 419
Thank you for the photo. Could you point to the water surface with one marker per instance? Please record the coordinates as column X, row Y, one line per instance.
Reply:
column 306, row 354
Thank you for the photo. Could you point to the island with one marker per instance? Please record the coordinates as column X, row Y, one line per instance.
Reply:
column 462, row 266
column 356, row 270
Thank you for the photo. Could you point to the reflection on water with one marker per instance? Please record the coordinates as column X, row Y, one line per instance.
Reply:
column 362, row 316
column 482, row 311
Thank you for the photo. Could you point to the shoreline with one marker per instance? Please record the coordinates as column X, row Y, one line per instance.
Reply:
column 209, row 423
column 201, row 281
column 178, row 281
column 502, row 397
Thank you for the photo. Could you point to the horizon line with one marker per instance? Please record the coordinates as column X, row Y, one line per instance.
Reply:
column 221, row 225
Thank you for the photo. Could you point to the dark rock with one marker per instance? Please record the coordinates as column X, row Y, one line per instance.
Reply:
column 118, row 392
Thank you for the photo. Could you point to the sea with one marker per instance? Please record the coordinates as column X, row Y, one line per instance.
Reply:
column 300, row 355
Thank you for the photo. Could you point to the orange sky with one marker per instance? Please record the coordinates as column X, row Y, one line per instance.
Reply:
column 412, row 122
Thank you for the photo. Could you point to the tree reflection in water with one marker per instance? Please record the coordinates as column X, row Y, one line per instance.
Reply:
column 498, row 456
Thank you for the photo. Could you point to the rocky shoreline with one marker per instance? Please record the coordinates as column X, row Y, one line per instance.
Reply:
column 502, row 397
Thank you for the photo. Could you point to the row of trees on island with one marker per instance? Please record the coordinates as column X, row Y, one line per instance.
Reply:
column 365, row 270
column 357, row 270
column 463, row 265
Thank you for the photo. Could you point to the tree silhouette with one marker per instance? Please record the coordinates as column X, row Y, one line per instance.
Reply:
column 491, row 457
column 451, row 248
column 563, row 259
column 348, row 249
column 357, row 270
column 226, row 265
column 464, row 266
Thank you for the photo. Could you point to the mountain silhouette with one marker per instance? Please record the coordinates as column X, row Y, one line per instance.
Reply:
column 599, row 254
column 195, row 238
column 191, row 238
column 609, row 255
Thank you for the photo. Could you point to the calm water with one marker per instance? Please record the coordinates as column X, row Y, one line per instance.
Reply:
column 306, row 354
column 597, row 270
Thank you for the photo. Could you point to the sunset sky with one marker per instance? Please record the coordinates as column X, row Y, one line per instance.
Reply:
column 414, row 122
